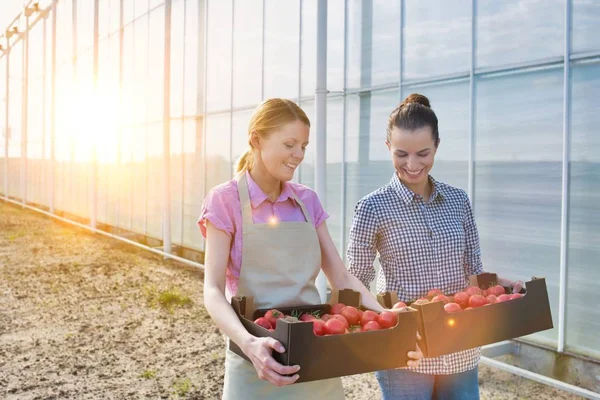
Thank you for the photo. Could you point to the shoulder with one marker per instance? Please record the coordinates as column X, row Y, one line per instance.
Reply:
column 376, row 198
column 303, row 192
column 452, row 193
column 227, row 191
column 223, row 196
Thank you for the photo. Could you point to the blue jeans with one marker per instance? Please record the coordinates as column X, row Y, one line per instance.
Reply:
column 402, row 384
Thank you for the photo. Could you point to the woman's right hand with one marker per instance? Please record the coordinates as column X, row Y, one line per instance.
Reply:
column 259, row 350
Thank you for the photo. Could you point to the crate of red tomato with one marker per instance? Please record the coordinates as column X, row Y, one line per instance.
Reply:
column 330, row 340
column 483, row 313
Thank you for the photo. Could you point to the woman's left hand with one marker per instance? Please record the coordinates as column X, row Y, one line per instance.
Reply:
column 517, row 286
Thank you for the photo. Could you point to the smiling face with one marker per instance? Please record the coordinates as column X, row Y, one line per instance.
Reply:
column 413, row 154
column 282, row 150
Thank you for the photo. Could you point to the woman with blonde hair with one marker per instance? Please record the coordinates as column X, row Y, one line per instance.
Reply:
column 266, row 237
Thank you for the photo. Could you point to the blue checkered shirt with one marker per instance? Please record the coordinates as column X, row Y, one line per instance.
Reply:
column 421, row 245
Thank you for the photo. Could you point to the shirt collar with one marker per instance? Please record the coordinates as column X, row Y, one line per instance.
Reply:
column 408, row 196
column 257, row 196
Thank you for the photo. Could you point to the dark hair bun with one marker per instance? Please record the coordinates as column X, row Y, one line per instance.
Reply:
column 416, row 98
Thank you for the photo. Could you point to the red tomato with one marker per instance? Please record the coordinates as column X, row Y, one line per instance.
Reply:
column 516, row 296
column 351, row 314
column 318, row 327
column 368, row 316
column 433, row 292
column 452, row 307
column 442, row 298
column 326, row 317
column 399, row 304
column 387, row 319
column 497, row 290
column 371, row 326
column 273, row 315
column 307, row 317
column 337, row 308
column 262, row 321
column 471, row 290
column 342, row 319
column 477, row 300
column 335, row 327
column 491, row 298
column 462, row 299
column 502, row 298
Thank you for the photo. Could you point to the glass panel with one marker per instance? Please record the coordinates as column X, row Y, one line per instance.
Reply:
column 85, row 25
column 3, row 90
column 450, row 102
column 176, row 184
column 333, row 202
column 539, row 25
column 127, row 11
column 335, row 45
column 139, row 74
column 191, row 73
column 155, row 82
column 373, row 42
column 586, row 26
column 140, row 7
column 584, row 212
column 437, row 38
column 154, row 168
column 218, row 85
column 247, row 53
column 282, row 41
column 306, row 172
column 218, row 140
column 517, row 180
column 177, row 57
column 193, row 184
column 114, row 20
column 385, row 62
column 308, row 59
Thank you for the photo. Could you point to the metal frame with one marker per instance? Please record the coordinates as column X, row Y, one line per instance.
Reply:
column 6, row 117
column 471, row 168
column 564, row 216
column 166, row 211
column 321, row 121
column 24, row 110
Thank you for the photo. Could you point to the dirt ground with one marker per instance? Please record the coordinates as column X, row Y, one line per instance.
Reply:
column 86, row 317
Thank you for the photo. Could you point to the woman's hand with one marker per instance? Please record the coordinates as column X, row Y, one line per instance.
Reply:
column 516, row 286
column 416, row 355
column 259, row 349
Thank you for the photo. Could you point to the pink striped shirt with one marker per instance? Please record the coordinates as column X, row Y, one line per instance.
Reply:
column 222, row 208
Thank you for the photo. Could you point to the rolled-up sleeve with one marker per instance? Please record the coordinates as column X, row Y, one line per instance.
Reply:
column 362, row 248
column 472, row 257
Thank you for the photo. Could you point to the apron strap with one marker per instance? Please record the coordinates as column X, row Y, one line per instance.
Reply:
column 247, row 207
column 303, row 207
column 245, row 198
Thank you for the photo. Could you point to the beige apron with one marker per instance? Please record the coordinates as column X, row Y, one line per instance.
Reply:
column 280, row 262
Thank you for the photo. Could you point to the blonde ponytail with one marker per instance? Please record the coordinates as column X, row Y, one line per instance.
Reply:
column 245, row 162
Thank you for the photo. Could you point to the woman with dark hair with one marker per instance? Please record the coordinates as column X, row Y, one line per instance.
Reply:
column 425, row 235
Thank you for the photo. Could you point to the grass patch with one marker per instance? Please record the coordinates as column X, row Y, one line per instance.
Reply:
column 182, row 387
column 169, row 299
column 148, row 374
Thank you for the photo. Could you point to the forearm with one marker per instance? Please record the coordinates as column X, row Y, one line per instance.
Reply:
column 225, row 317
